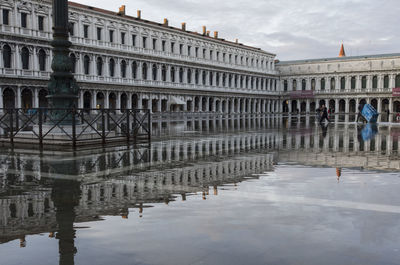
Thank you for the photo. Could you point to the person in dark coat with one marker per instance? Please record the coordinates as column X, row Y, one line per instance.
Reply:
column 324, row 114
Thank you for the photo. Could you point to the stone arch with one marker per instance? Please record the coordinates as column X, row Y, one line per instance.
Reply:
column 124, row 101
column 43, row 102
column 374, row 103
column 8, row 98
column 342, row 106
column 154, row 72
column 42, row 60
column 294, row 106
column 99, row 66
column 26, row 98
column 112, row 99
column 87, row 100
column 332, row 104
column 134, row 101
column 285, row 106
column 7, row 54
column 100, row 99
column 123, row 69
column 303, row 107
column 25, row 58
column 352, row 106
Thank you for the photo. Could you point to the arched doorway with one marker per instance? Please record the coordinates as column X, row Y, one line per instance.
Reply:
column 285, row 105
column 43, row 102
column 134, row 101
column 332, row 105
column 26, row 99
column 100, row 100
column 112, row 99
column 374, row 103
column 8, row 98
column 87, row 100
column 303, row 107
column 294, row 106
column 313, row 106
column 352, row 106
column 124, row 101
column 342, row 106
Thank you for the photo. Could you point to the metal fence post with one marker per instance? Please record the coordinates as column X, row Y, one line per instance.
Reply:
column 40, row 128
column 128, row 113
column 103, row 127
column 11, row 126
column 73, row 128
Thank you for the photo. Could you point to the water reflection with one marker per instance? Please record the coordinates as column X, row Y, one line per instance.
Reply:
column 50, row 192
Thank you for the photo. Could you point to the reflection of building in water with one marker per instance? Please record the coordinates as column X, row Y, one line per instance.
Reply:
column 34, row 212
column 112, row 182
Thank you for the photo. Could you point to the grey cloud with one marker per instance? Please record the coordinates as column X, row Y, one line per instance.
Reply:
column 290, row 28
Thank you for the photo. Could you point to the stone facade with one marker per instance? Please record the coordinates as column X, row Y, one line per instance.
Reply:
column 122, row 61
column 128, row 62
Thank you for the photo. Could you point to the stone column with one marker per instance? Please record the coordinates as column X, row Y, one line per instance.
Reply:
column 337, row 105
column 139, row 101
column 159, row 74
column 18, row 99
column 139, row 71
column 106, row 100
column 347, row 107
column 177, row 74
column 390, row 118
column 159, row 105
column 168, row 73
column 1, row 100
column 308, row 106
column 185, row 72
column 36, row 97
column 80, row 100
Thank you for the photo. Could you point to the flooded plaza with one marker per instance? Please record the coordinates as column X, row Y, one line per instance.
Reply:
column 237, row 189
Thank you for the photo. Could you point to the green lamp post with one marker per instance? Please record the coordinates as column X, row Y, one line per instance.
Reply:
column 63, row 88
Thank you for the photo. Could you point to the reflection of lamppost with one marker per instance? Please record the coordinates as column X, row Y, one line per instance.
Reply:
column 63, row 89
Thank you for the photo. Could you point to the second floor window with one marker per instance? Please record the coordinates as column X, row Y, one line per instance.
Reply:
column 41, row 23
column 6, row 15
column 122, row 38
column 72, row 29
column 172, row 46
column 111, row 36
column 98, row 33
column 86, row 31
column 144, row 42
column 133, row 40
column 7, row 56
column 154, row 44
column 163, row 45
column 24, row 19
column 42, row 60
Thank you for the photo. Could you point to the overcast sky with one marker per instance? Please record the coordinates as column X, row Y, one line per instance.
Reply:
column 292, row 29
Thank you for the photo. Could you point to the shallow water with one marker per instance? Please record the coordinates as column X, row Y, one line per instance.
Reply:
column 266, row 190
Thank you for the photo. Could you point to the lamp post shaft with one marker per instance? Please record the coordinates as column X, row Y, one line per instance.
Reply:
column 63, row 88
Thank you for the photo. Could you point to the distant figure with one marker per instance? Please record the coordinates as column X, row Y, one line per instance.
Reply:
column 324, row 115
column 318, row 113
column 360, row 108
column 338, row 173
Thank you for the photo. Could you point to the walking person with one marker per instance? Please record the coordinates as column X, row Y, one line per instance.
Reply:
column 324, row 114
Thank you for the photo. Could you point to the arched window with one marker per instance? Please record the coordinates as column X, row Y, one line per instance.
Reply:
column 144, row 71
column 224, row 80
column 172, row 74
column 333, row 83
column 154, row 72
column 312, row 84
column 285, row 85
column 364, row 82
column 181, row 75
column 164, row 73
column 196, row 77
column 323, row 84
column 303, row 84
column 99, row 65
column 217, row 84
column 375, row 82
column 73, row 62
column 397, row 81
column 353, row 82
column 343, row 83
column 229, row 80
column 204, row 77
column 111, row 66
column 42, row 60
column 294, row 84
column 86, row 64
column 189, row 76
column 134, row 70
column 211, row 78
column 7, row 56
column 123, row 69
column 25, row 58
column 386, row 81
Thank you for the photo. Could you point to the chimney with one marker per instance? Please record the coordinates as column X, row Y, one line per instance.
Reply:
column 216, row 34
column 122, row 10
column 184, row 26
column 208, row 33
column 139, row 14
column 165, row 22
column 204, row 30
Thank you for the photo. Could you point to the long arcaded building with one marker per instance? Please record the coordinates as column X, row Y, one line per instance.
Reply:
column 121, row 61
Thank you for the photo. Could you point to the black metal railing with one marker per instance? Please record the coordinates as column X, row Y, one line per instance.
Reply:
column 76, row 127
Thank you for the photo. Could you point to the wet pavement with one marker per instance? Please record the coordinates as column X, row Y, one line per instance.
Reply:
column 238, row 190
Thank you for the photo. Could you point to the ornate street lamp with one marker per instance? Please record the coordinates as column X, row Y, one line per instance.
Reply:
column 63, row 88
